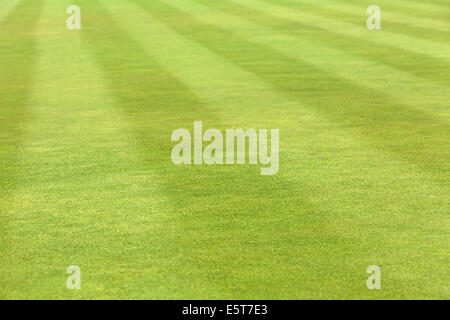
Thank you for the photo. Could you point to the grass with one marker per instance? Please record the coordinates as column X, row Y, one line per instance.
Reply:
column 86, row 176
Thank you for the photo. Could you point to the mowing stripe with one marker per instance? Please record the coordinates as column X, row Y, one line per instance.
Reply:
column 17, row 48
column 357, row 105
column 360, row 70
column 176, row 53
column 6, row 6
column 18, row 52
column 167, row 47
column 15, row 84
column 96, row 186
column 76, row 160
column 414, row 9
column 429, row 48
column 418, row 7
column 443, row 3
column 156, row 103
column 397, row 21
column 215, row 76
column 182, row 225
column 17, row 67
column 429, row 68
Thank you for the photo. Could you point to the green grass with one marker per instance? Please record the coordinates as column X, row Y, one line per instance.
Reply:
column 86, row 176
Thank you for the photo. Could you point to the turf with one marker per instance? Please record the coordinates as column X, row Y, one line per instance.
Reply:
column 86, row 176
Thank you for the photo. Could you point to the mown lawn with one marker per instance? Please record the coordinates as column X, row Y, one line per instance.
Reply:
column 86, row 176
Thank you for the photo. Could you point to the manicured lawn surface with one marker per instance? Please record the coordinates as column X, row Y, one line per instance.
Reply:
column 86, row 176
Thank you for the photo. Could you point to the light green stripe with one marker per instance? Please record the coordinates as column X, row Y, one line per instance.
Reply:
column 404, row 86
column 387, row 14
column 6, row 6
column 74, row 156
column 215, row 79
column 425, row 67
column 427, row 6
column 383, row 37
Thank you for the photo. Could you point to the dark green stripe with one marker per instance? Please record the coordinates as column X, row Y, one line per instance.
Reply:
column 405, row 8
column 359, row 109
column 359, row 17
column 18, row 52
column 429, row 68
column 158, row 103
